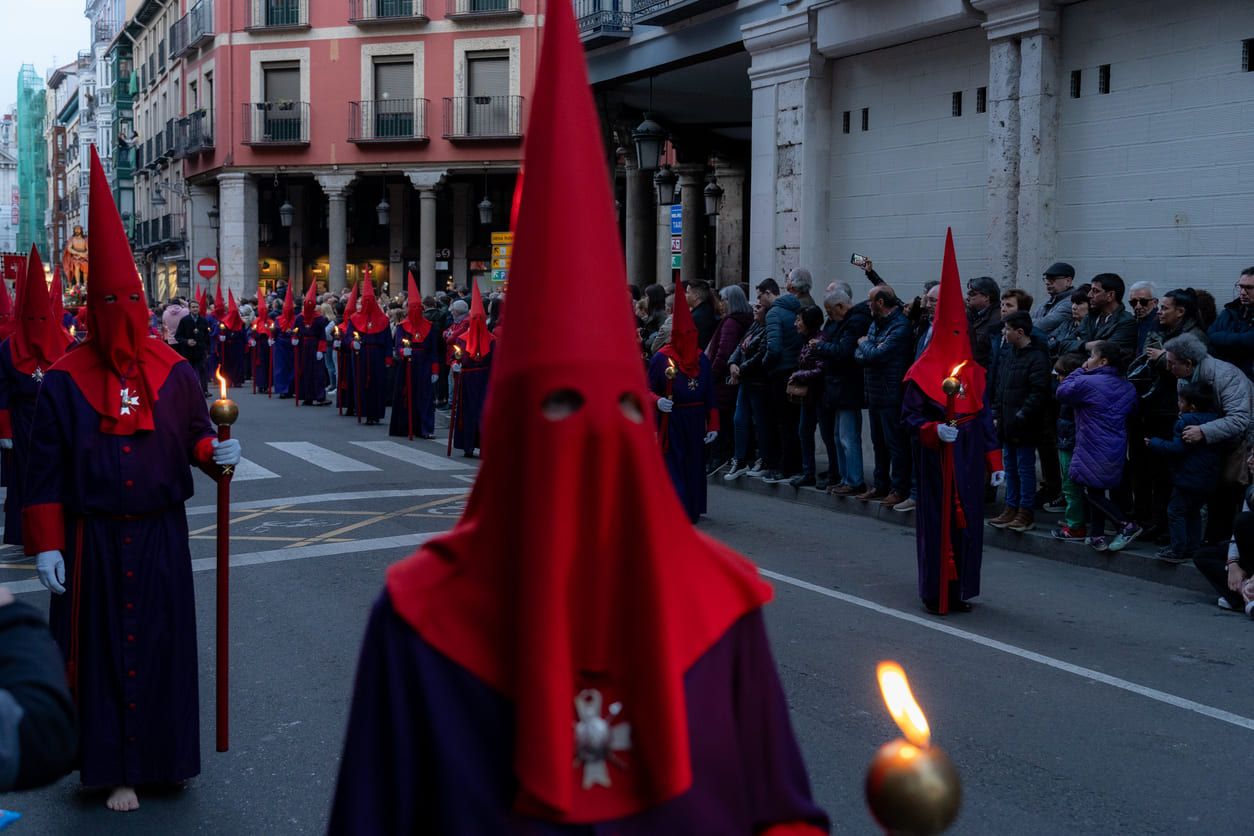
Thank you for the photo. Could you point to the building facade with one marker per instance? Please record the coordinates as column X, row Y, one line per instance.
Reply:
column 10, row 194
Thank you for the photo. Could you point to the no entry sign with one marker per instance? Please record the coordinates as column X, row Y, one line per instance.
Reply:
column 207, row 268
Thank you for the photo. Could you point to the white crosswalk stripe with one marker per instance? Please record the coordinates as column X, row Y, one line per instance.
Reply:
column 321, row 457
column 246, row 470
column 405, row 453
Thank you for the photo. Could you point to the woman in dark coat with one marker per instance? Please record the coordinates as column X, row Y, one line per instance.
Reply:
column 809, row 374
column 737, row 317
column 701, row 303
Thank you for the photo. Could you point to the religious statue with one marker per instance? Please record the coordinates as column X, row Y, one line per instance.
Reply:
column 74, row 259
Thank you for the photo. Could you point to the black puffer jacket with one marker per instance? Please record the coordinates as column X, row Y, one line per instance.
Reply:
column 750, row 356
column 843, row 379
column 1022, row 393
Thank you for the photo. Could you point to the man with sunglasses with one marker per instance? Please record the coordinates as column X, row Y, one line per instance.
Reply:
column 1144, row 301
column 1232, row 334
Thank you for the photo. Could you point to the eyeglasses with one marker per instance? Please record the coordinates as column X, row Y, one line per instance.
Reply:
column 1137, row 303
column 1245, row 286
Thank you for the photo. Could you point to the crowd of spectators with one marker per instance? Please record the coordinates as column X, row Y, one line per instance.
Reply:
column 1127, row 411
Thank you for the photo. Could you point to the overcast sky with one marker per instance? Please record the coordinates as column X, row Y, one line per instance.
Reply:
column 45, row 33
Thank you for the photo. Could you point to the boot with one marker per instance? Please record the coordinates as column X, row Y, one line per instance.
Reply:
column 1006, row 517
column 1023, row 521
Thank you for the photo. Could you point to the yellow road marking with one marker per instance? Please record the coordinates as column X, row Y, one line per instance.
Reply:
column 380, row 518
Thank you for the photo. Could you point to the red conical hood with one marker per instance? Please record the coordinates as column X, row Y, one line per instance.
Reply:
column 201, row 300
column 287, row 319
column 350, row 304
column 570, row 568
column 682, row 347
column 118, row 368
column 415, row 323
column 263, row 310
column 369, row 318
column 309, row 308
column 232, row 320
column 477, row 336
column 57, row 295
column 219, row 307
column 950, row 346
column 38, row 339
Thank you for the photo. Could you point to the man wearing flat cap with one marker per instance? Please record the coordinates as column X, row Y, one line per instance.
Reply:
column 1055, row 309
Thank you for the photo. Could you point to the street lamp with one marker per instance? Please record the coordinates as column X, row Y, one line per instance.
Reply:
column 286, row 213
column 485, row 205
column 664, row 181
column 384, row 210
column 215, row 219
column 713, row 197
column 649, row 137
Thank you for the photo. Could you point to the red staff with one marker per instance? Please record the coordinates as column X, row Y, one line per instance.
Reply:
column 270, row 379
column 455, row 416
column 409, row 386
column 339, row 371
column 223, row 413
column 951, row 500
column 670, row 373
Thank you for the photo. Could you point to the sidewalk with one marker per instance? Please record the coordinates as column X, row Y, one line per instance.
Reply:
column 1137, row 560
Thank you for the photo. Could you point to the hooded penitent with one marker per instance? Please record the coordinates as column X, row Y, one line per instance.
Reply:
column 200, row 300
column 369, row 318
column 262, row 322
column 350, row 304
column 232, row 322
column 287, row 319
column 38, row 339
column 682, row 347
column 219, row 307
column 309, row 308
column 57, row 296
column 118, row 368
column 950, row 347
column 415, row 323
column 477, row 336
column 570, row 568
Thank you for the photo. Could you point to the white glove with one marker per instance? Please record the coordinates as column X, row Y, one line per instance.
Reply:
column 252, row 343
column 226, row 452
column 407, row 352
column 999, row 478
column 710, row 436
column 319, row 355
column 51, row 567
column 6, row 444
column 270, row 340
column 457, row 367
column 356, row 345
column 665, row 404
column 947, row 433
column 434, row 378
column 295, row 341
column 221, row 339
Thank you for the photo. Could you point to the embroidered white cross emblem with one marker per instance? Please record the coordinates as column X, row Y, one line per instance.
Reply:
column 128, row 401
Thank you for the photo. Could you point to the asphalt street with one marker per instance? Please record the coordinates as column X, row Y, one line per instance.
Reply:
column 1072, row 700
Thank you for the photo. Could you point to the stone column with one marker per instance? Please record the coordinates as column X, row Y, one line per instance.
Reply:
column 237, row 229
column 336, row 188
column 203, row 238
column 461, row 233
column 1003, row 160
column 425, row 182
column 1038, row 155
column 397, row 281
column 729, row 230
column 641, row 230
column 692, row 199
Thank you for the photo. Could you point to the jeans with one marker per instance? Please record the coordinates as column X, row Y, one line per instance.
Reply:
column 812, row 418
column 892, row 450
column 1076, row 513
column 1184, row 520
column 849, row 447
column 1020, row 464
column 751, row 414
column 827, row 432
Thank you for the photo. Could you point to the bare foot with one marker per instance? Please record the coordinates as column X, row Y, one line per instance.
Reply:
column 123, row 800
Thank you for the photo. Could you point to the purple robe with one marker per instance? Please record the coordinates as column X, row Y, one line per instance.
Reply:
column 283, row 360
column 370, row 373
column 17, row 397
column 429, row 748
column 472, row 394
column 311, row 382
column 345, row 379
column 213, row 356
column 975, row 439
column 234, row 362
column 685, row 429
column 259, row 352
column 127, row 554
column 417, row 369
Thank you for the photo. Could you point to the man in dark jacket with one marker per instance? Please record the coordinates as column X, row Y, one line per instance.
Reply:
column 1108, row 319
column 1019, row 404
column 1232, row 334
column 783, row 347
column 192, row 340
column 843, row 389
column 885, row 354
column 983, row 317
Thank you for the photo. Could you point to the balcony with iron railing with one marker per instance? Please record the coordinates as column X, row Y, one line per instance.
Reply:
column 279, row 14
column 276, row 123
column 178, row 37
column 169, row 138
column 195, row 133
column 148, row 155
column 200, row 24
column 387, row 11
column 84, row 61
column 483, row 118
column 158, row 146
column 666, row 12
column 388, row 120
column 602, row 22
column 483, row 8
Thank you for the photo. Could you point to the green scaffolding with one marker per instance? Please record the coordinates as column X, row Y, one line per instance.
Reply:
column 32, row 162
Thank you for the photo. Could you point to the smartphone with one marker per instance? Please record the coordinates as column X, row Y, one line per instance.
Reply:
column 857, row 260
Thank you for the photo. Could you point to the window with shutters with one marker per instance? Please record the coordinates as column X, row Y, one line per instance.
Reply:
column 281, row 120
column 394, row 104
column 489, row 104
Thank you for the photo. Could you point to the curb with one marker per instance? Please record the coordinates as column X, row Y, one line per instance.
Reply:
column 1137, row 561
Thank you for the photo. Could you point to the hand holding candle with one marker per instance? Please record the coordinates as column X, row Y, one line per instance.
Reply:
column 671, row 373
column 912, row 786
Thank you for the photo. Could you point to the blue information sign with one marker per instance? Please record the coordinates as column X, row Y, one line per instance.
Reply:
column 677, row 219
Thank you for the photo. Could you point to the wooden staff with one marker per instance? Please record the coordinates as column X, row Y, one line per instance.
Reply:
column 224, row 412
column 670, row 373
column 455, row 413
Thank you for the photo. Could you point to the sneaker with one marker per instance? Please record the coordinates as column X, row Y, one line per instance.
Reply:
column 758, row 469
column 774, row 477
column 735, row 469
column 802, row 481
column 1130, row 532
column 907, row 505
column 1249, row 609
column 1055, row 506
column 1071, row 535
column 1169, row 554
column 1097, row 544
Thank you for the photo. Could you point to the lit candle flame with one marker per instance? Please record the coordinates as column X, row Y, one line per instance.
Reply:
column 901, row 705
column 958, row 368
column 73, row 331
column 221, row 380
